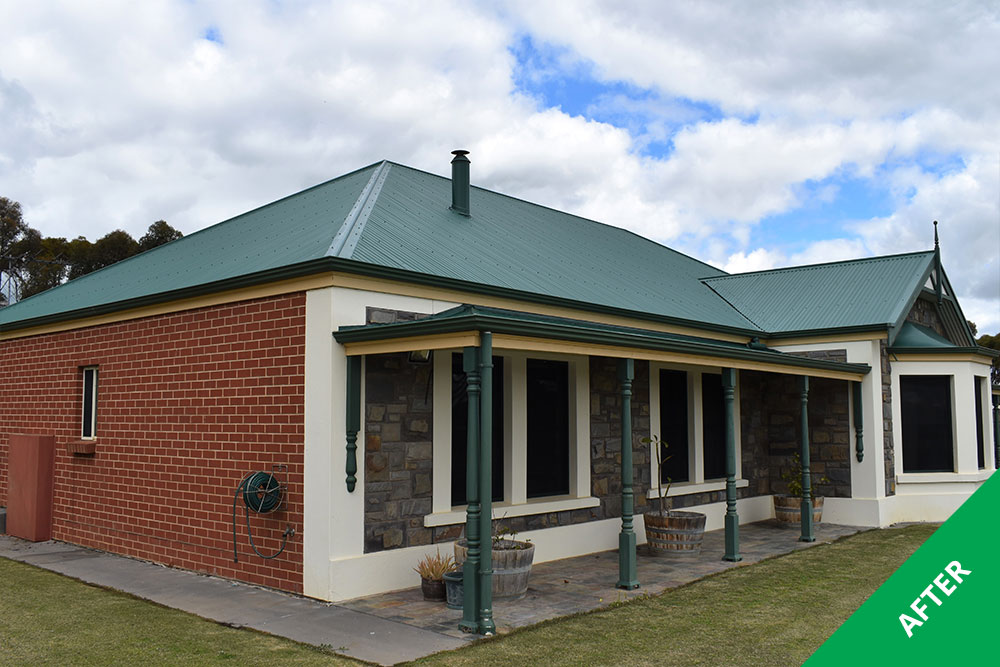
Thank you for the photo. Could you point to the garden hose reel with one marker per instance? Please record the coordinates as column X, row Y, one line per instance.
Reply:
column 262, row 493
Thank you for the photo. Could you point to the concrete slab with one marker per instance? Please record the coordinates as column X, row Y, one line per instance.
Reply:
column 352, row 633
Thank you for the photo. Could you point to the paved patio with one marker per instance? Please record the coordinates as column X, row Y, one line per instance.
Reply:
column 563, row 587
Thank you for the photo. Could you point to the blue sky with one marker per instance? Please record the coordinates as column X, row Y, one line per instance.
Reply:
column 745, row 134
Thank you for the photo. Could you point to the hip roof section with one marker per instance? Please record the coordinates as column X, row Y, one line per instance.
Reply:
column 865, row 293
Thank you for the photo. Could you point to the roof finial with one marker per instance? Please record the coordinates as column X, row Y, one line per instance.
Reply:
column 936, row 245
column 938, row 279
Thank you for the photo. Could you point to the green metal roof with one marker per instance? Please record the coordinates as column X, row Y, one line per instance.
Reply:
column 502, row 321
column 287, row 232
column 865, row 293
column 915, row 336
column 393, row 221
column 388, row 217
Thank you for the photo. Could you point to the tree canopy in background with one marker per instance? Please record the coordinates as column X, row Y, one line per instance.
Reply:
column 31, row 263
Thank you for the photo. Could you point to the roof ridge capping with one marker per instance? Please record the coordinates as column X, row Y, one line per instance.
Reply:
column 820, row 265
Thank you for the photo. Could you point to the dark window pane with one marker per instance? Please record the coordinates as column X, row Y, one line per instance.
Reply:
column 925, row 407
column 460, row 425
column 674, row 426
column 89, row 380
column 980, row 440
column 548, row 428
column 714, row 425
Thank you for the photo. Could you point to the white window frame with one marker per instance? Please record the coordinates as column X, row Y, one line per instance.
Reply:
column 93, row 403
column 515, row 458
column 963, row 419
column 696, row 433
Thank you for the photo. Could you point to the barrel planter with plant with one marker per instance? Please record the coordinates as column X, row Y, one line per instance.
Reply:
column 788, row 506
column 670, row 532
column 511, row 563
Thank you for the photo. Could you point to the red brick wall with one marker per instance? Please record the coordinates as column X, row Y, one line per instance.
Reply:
column 187, row 404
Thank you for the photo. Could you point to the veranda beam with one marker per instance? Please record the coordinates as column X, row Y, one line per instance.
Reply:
column 807, row 504
column 470, row 571
column 627, row 568
column 486, row 624
column 732, row 522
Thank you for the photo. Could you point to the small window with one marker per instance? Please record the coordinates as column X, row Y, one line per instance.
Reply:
column 980, row 431
column 88, row 429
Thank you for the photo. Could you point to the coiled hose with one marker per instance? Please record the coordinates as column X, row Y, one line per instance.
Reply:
column 262, row 494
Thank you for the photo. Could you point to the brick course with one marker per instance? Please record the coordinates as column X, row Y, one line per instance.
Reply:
column 188, row 403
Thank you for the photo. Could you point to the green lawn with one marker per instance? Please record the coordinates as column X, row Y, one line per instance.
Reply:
column 48, row 619
column 773, row 613
column 776, row 612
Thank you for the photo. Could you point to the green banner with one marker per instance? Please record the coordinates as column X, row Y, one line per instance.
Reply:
column 938, row 606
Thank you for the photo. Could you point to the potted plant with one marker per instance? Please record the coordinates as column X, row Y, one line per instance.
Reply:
column 432, row 569
column 788, row 506
column 454, row 587
column 512, row 560
column 669, row 531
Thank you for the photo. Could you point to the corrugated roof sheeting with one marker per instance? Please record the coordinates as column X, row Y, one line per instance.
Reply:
column 291, row 230
column 513, row 244
column 855, row 293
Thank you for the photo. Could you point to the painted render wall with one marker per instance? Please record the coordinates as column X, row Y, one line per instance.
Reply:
column 187, row 404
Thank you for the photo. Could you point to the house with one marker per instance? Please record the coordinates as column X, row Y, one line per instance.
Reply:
column 344, row 336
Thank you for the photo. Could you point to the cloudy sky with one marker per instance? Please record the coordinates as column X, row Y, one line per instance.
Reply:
column 749, row 135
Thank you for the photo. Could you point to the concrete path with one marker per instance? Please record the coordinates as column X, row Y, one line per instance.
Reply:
column 350, row 633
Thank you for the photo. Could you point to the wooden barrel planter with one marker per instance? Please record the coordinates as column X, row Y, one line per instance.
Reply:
column 676, row 533
column 788, row 509
column 511, row 566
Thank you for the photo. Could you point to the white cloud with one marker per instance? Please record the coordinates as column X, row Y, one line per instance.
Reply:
column 115, row 115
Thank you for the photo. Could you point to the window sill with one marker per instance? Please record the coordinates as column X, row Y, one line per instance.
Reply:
column 935, row 477
column 685, row 488
column 500, row 510
column 81, row 447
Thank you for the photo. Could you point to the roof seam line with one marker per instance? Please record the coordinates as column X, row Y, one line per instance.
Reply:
column 350, row 231
column 730, row 304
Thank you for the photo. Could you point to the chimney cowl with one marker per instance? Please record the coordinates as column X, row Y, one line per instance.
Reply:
column 460, row 182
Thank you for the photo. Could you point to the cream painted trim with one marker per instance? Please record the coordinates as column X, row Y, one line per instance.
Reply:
column 684, row 488
column 443, row 294
column 431, row 342
column 545, row 506
column 504, row 341
column 243, row 294
column 924, row 356
column 938, row 477
column 820, row 339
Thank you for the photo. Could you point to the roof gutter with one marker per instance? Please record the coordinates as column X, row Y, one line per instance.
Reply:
column 328, row 264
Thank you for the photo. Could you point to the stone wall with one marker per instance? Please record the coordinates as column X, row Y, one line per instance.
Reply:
column 887, row 441
column 398, row 450
column 925, row 313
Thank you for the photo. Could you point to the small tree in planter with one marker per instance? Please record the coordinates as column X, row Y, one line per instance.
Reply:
column 669, row 531
column 788, row 506
column 432, row 569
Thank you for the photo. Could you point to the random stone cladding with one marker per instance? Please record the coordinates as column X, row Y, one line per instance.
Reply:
column 887, row 440
column 187, row 404
column 925, row 313
column 399, row 423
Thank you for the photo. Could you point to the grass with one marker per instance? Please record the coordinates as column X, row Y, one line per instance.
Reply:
column 776, row 612
column 49, row 619
column 773, row 613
